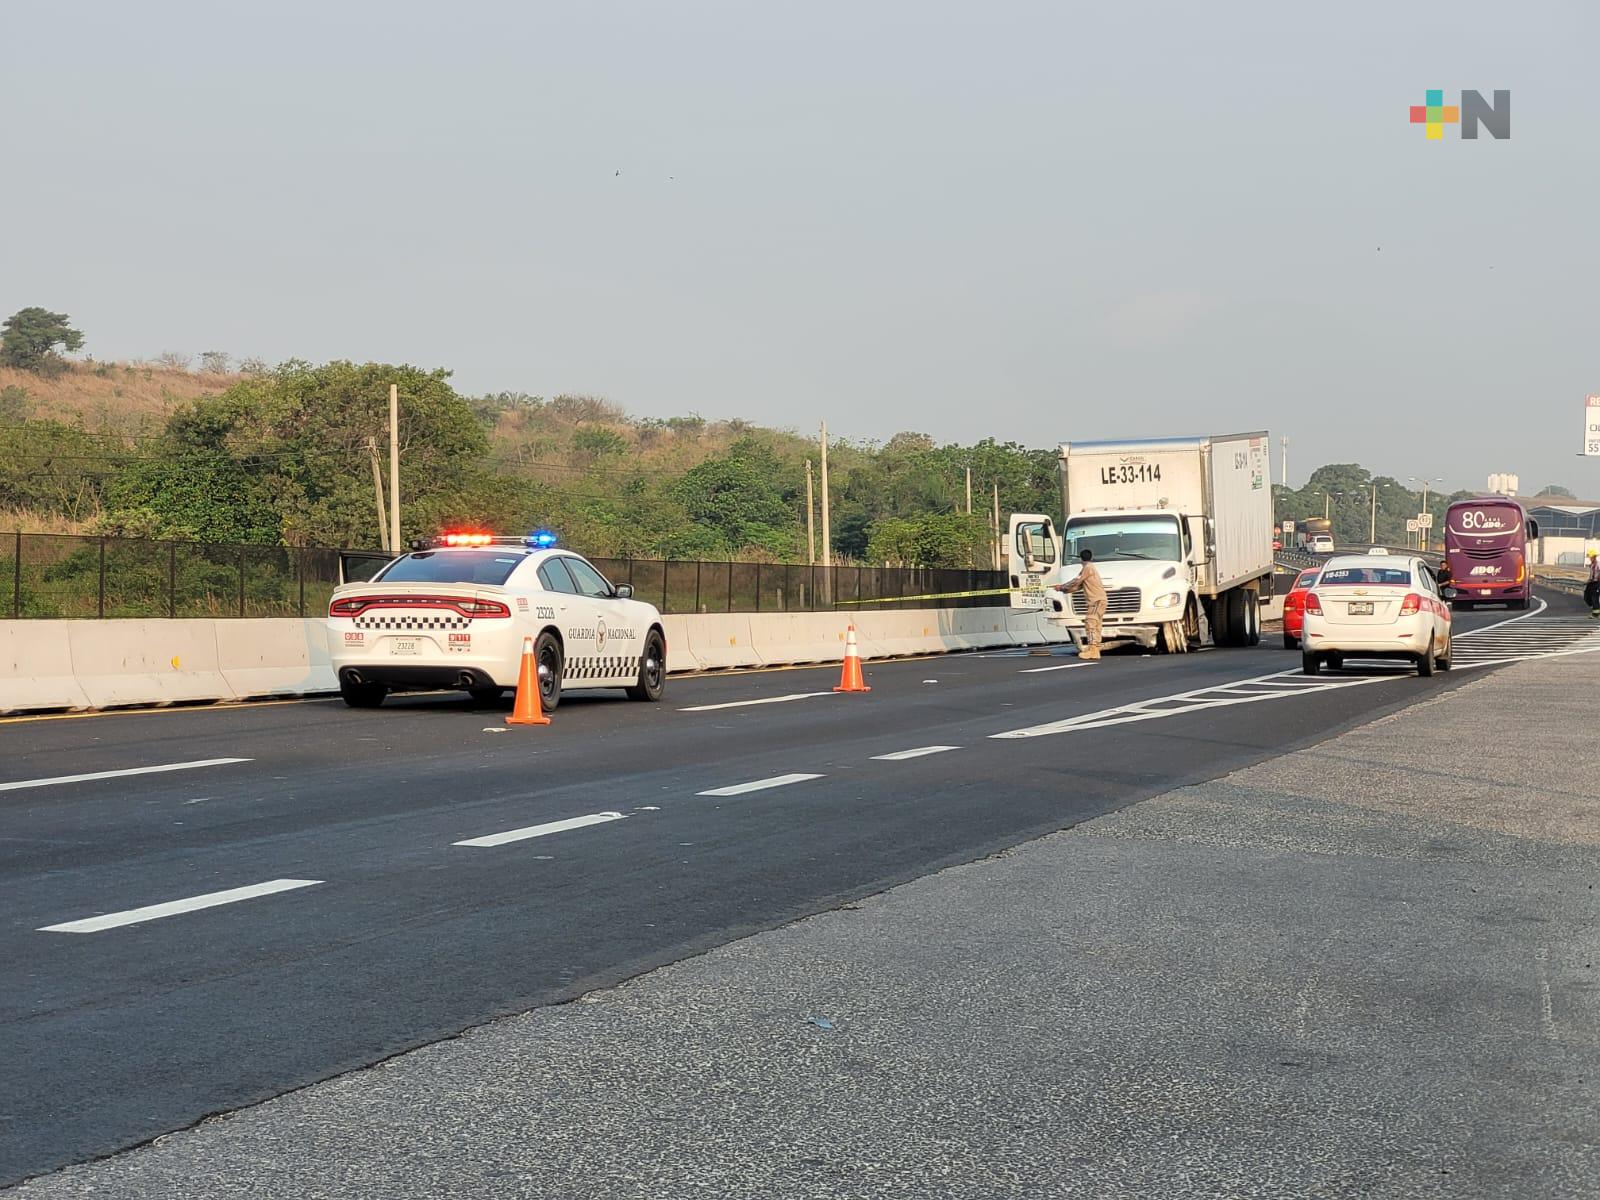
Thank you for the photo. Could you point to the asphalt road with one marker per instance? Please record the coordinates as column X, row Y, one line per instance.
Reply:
column 390, row 935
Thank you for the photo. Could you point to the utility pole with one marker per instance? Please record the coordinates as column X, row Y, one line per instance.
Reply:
column 1283, row 459
column 969, row 491
column 1372, row 537
column 998, row 557
column 811, row 525
column 394, row 469
column 827, row 525
column 377, row 485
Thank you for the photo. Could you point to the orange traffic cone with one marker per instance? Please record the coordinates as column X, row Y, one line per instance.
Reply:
column 850, row 680
column 527, row 710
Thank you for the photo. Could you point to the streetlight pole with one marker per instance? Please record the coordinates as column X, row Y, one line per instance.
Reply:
column 1372, row 536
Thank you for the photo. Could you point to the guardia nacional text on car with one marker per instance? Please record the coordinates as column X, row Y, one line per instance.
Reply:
column 455, row 613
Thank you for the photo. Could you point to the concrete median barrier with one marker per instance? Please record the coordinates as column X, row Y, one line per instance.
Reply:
column 146, row 662
column 36, row 667
column 275, row 657
column 106, row 664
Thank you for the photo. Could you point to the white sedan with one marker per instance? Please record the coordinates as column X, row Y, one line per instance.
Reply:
column 455, row 613
column 1376, row 606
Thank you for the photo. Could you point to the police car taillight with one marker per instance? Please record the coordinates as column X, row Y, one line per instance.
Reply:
column 483, row 608
column 346, row 608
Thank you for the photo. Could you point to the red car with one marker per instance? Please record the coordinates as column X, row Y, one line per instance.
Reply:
column 1294, row 607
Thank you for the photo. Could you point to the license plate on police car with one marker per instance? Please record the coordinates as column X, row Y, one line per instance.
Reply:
column 405, row 646
column 1361, row 608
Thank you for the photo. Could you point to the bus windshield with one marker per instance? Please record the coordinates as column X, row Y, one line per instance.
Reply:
column 1124, row 539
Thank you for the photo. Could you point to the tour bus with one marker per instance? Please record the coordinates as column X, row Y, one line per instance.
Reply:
column 1486, row 550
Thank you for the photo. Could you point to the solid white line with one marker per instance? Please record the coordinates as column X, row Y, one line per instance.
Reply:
column 172, row 908
column 533, row 831
column 183, row 766
column 919, row 752
column 759, row 785
column 747, row 703
column 1062, row 667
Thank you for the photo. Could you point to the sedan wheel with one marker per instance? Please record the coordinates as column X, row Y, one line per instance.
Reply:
column 551, row 662
column 1425, row 660
column 652, row 670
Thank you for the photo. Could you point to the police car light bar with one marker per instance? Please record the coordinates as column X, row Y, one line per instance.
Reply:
column 540, row 539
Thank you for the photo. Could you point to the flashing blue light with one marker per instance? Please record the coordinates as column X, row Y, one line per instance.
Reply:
column 541, row 539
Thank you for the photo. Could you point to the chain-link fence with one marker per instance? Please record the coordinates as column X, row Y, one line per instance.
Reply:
column 60, row 575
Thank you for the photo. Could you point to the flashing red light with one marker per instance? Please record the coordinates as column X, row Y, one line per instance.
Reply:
column 458, row 538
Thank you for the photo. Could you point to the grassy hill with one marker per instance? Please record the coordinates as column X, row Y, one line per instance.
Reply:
column 113, row 398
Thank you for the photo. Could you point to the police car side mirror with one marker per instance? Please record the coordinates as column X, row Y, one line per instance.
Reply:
column 624, row 591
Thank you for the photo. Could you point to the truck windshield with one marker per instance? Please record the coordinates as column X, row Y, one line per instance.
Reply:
column 1115, row 539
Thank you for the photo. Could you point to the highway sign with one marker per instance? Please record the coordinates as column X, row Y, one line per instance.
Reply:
column 1591, row 425
column 1288, row 526
column 1411, row 525
column 1424, row 520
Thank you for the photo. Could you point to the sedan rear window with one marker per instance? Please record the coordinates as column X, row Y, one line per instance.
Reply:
column 451, row 566
column 1371, row 576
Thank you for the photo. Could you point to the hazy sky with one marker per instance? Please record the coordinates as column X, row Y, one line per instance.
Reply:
column 1032, row 221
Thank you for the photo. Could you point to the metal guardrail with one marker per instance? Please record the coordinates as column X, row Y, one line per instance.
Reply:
column 70, row 576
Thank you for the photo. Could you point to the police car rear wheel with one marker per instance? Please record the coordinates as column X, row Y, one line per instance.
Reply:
column 362, row 695
column 551, row 662
column 652, row 670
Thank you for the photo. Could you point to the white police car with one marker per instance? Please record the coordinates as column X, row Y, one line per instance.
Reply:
column 455, row 611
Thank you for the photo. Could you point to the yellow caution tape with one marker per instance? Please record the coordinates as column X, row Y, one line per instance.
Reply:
column 930, row 596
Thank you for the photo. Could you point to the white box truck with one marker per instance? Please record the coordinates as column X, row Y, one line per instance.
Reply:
column 1181, row 530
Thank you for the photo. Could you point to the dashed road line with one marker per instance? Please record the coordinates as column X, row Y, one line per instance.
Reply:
column 533, row 831
column 919, row 752
column 17, row 785
column 748, row 703
column 153, row 912
column 758, row 785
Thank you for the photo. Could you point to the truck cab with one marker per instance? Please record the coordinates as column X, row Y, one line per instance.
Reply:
column 1181, row 533
column 1145, row 559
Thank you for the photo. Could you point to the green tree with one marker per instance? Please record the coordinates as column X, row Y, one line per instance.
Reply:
column 952, row 539
column 1555, row 489
column 282, row 457
column 30, row 338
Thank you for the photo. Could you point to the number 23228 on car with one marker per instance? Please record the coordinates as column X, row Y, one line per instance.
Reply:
column 456, row 612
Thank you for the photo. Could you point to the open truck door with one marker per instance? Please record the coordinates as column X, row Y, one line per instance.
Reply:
column 1034, row 560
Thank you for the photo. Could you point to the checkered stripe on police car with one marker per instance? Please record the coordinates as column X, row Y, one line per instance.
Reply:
column 415, row 621
column 606, row 666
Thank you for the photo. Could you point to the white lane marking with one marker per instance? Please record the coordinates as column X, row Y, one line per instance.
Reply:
column 171, row 908
column 533, row 831
column 18, row 784
column 758, row 785
column 1062, row 667
column 1218, row 695
column 919, row 752
column 1508, row 621
column 747, row 703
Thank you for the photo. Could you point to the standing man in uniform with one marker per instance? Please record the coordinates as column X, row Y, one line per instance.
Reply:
column 1094, row 596
column 1591, row 590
